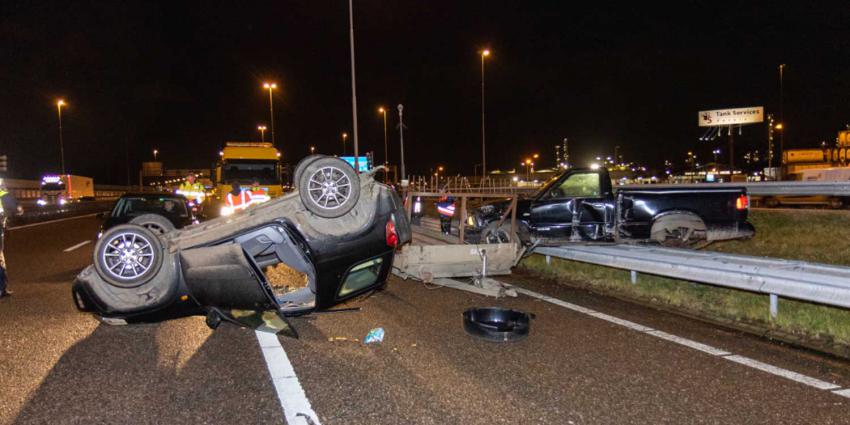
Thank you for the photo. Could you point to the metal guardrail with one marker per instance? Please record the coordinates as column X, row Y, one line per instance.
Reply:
column 817, row 283
column 792, row 188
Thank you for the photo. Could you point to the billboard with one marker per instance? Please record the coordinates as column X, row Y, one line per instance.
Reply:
column 736, row 116
column 362, row 161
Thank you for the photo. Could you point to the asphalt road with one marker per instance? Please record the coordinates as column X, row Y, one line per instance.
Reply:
column 61, row 366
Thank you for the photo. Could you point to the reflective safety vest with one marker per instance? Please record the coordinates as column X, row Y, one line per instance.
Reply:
column 3, row 192
column 238, row 202
column 448, row 210
column 259, row 196
column 192, row 192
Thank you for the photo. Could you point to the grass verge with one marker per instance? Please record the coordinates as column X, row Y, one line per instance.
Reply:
column 818, row 236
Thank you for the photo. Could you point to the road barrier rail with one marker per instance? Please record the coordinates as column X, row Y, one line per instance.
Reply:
column 812, row 282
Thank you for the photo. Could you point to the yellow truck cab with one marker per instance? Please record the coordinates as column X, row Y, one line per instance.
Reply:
column 246, row 162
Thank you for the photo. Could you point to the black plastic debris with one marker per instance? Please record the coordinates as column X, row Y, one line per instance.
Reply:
column 497, row 324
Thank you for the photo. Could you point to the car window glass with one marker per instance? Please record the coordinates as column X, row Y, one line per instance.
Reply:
column 361, row 276
column 582, row 185
column 162, row 206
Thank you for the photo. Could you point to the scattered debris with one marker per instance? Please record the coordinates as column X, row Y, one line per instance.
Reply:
column 285, row 279
column 497, row 324
column 375, row 335
column 342, row 338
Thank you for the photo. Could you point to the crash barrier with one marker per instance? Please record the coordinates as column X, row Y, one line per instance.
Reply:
column 30, row 189
column 781, row 188
column 785, row 188
column 812, row 282
column 462, row 199
column 461, row 184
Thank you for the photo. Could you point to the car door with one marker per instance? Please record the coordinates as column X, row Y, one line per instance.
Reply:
column 553, row 212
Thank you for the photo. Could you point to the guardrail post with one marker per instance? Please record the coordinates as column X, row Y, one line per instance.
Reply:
column 774, row 306
column 633, row 276
column 548, row 260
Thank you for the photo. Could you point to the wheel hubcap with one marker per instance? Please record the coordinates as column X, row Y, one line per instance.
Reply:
column 329, row 188
column 128, row 256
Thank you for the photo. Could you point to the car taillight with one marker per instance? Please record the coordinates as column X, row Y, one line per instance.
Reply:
column 743, row 202
column 392, row 236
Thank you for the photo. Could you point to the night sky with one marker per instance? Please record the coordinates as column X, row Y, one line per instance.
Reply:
column 184, row 77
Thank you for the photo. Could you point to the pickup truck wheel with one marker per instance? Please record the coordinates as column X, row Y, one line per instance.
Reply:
column 683, row 230
column 329, row 187
column 128, row 255
column 154, row 222
column 491, row 234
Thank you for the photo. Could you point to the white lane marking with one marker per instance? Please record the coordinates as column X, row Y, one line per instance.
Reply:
column 293, row 401
column 689, row 343
column 24, row 226
column 842, row 393
column 81, row 244
column 631, row 325
column 785, row 373
column 746, row 361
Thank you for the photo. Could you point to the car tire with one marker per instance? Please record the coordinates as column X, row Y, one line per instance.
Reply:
column 299, row 169
column 154, row 222
column 329, row 187
column 128, row 244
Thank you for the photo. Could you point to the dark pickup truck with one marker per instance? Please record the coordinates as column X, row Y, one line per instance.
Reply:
column 582, row 205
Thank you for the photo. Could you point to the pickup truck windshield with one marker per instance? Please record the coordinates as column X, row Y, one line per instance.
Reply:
column 579, row 185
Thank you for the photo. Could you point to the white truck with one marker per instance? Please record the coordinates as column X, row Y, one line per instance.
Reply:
column 64, row 188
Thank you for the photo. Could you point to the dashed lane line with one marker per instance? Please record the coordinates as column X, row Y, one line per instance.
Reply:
column 79, row 245
column 296, row 407
column 714, row 351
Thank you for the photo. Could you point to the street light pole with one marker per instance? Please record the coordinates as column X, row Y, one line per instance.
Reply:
column 353, row 85
column 59, row 104
column 782, row 121
column 270, row 87
column 484, row 54
column 386, row 152
column 401, row 138
column 262, row 129
column 154, row 154
column 344, row 137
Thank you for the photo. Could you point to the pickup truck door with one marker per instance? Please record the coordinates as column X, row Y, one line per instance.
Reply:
column 553, row 211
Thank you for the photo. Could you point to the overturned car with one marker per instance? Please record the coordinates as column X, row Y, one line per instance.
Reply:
column 331, row 240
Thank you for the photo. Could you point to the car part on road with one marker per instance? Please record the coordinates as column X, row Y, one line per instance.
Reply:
column 154, row 222
column 497, row 324
column 329, row 187
column 128, row 255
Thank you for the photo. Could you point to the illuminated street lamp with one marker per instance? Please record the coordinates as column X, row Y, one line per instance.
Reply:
column 270, row 87
column 344, row 138
column 262, row 129
column 715, row 152
column 484, row 53
column 59, row 104
column 312, row 150
column 154, row 154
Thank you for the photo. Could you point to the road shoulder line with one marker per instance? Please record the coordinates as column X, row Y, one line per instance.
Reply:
column 24, row 226
column 708, row 349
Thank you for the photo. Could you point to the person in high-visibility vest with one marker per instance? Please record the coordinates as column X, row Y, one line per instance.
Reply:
column 237, row 199
column 8, row 206
column 193, row 191
column 446, row 209
column 258, row 195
